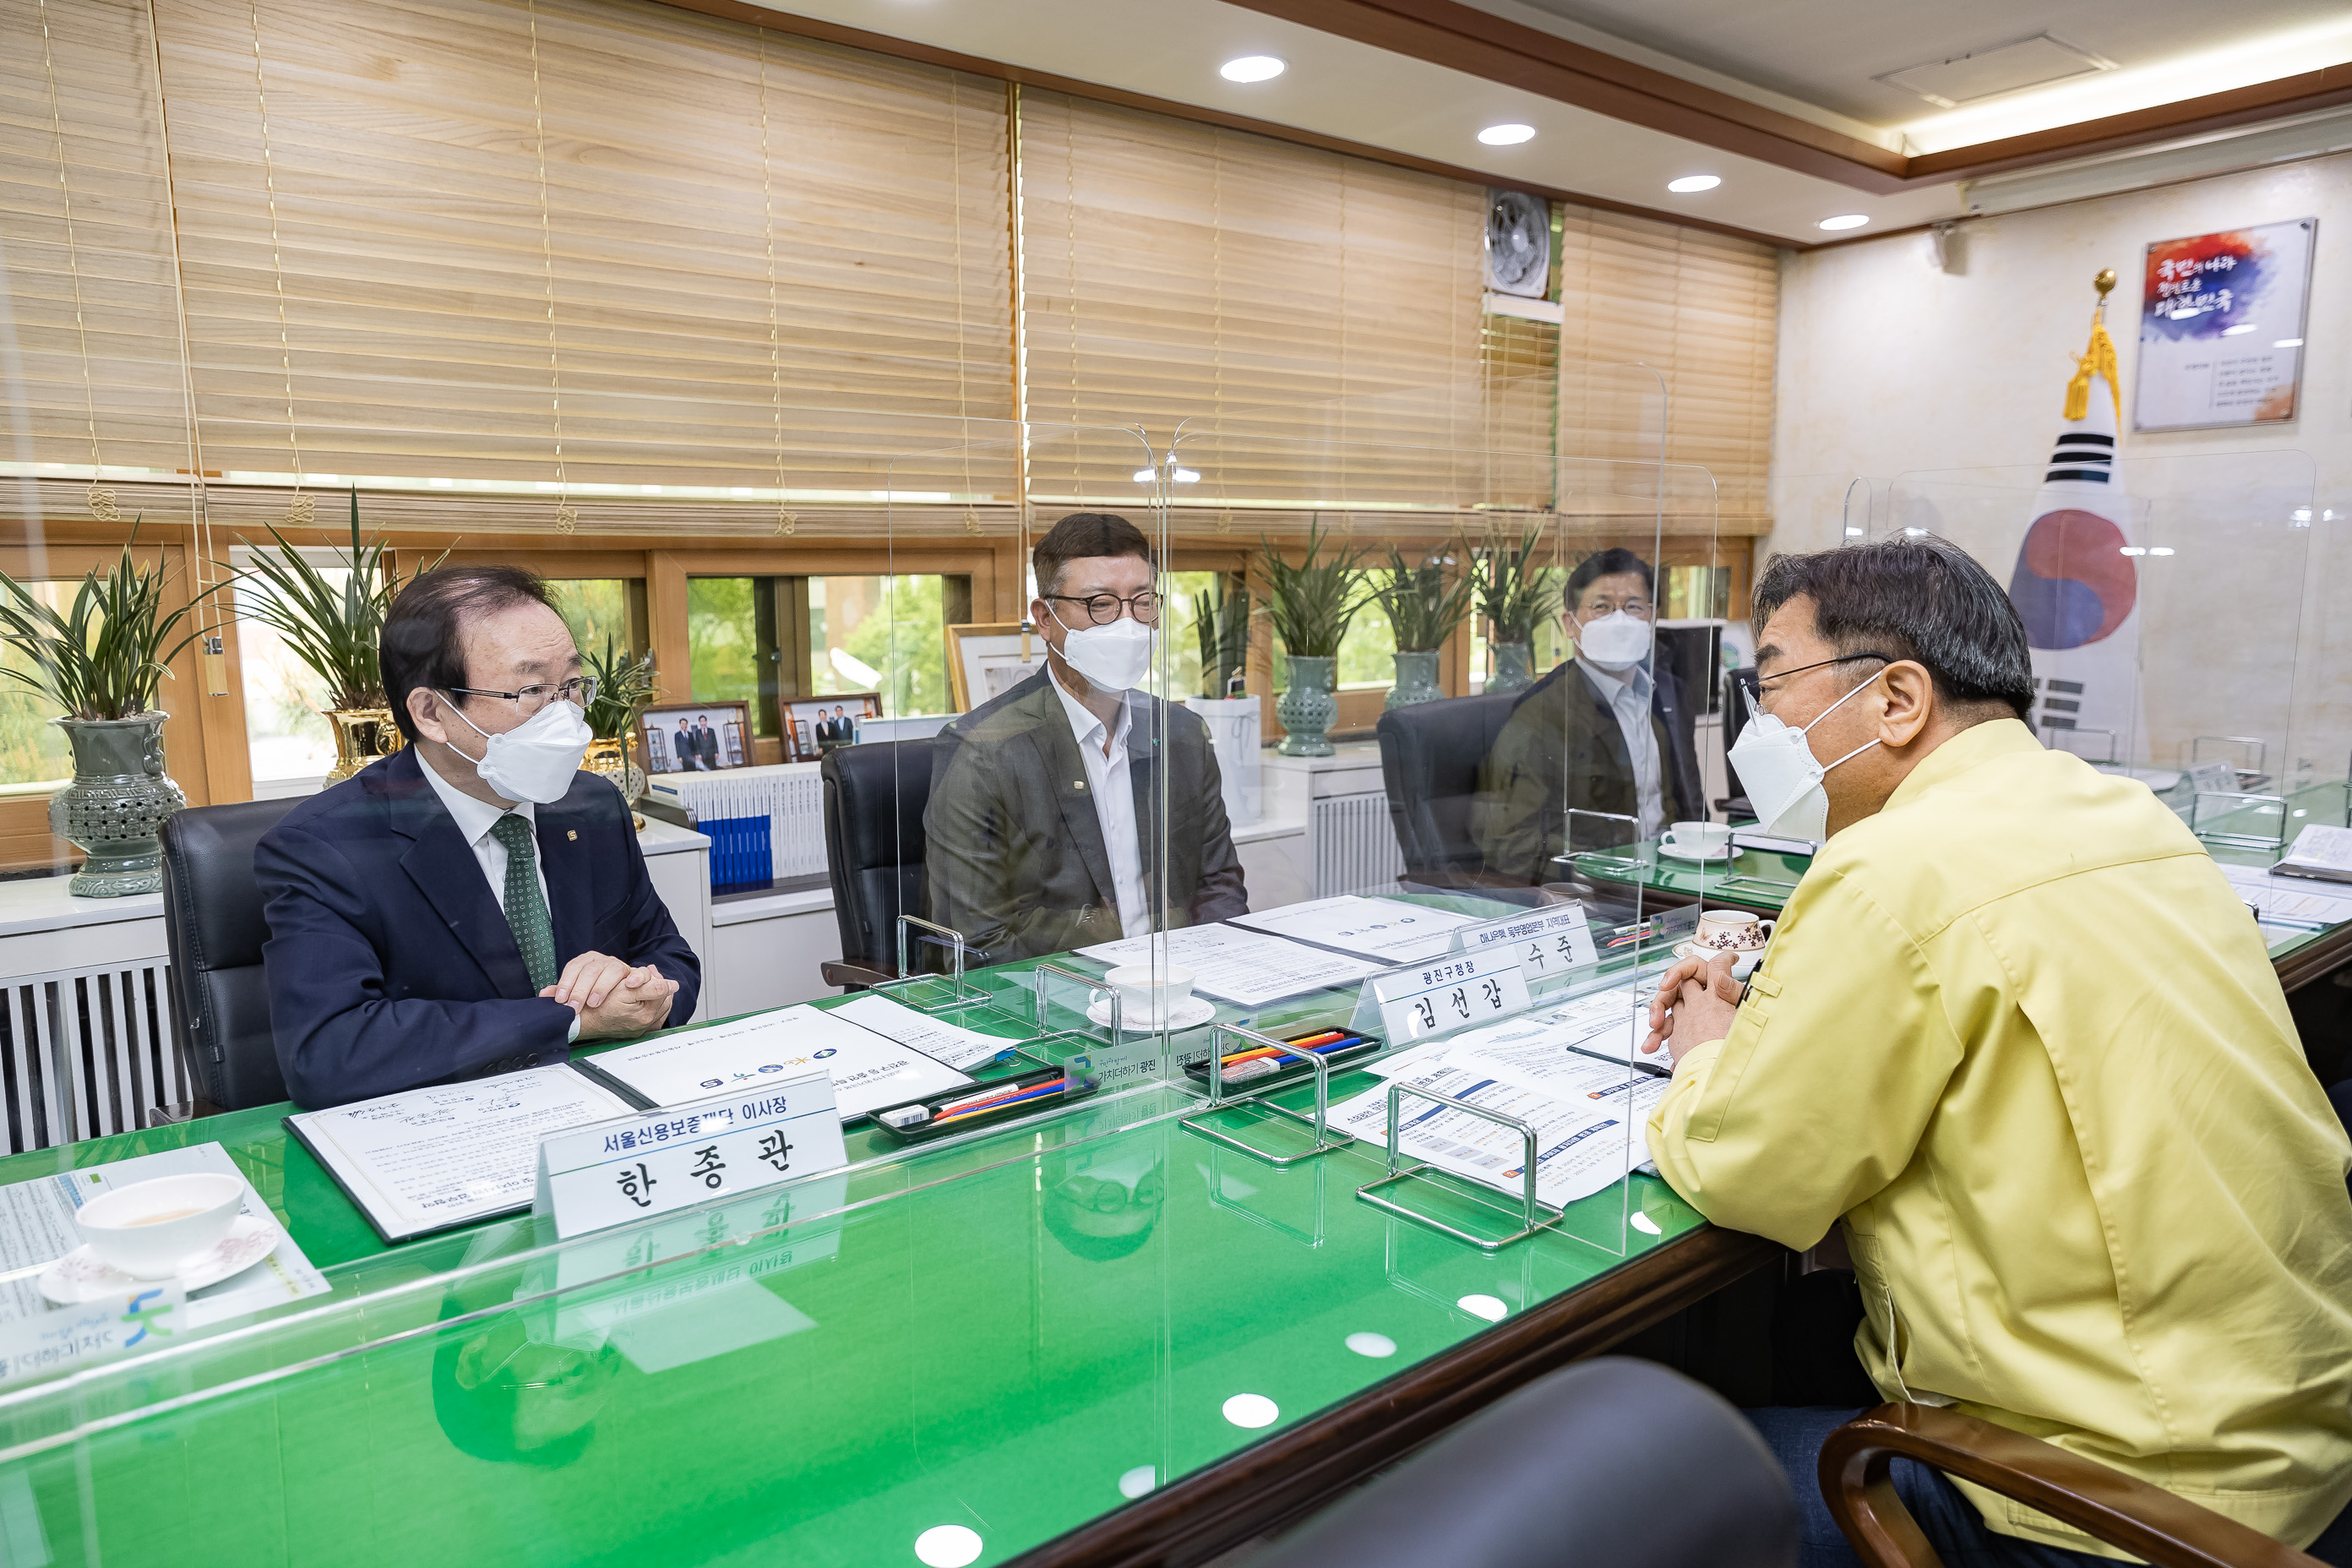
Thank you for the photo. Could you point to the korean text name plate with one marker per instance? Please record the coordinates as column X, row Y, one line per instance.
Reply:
column 658, row 1161
column 1546, row 942
column 1442, row 995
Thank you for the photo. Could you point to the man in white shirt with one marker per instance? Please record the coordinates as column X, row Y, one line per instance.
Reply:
column 474, row 902
column 1042, row 824
column 1606, row 731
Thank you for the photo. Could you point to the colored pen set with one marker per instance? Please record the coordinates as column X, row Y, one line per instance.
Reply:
column 1264, row 1061
column 941, row 1113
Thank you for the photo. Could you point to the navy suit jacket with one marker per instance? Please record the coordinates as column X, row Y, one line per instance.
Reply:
column 389, row 963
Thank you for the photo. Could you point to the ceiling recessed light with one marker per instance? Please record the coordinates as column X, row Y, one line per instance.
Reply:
column 1847, row 220
column 1506, row 135
column 1251, row 67
column 1690, row 182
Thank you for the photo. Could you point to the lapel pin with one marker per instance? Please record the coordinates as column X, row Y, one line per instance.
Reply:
column 572, row 832
column 1078, row 783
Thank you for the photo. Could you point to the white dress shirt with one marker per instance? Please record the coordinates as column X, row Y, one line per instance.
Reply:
column 474, row 817
column 1111, row 784
column 1627, row 694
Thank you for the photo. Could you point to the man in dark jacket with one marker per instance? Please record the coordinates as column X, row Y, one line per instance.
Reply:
column 472, row 903
column 1043, row 819
column 1604, row 732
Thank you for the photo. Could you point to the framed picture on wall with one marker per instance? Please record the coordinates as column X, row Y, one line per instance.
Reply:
column 701, row 737
column 2220, row 327
column 815, row 725
column 985, row 661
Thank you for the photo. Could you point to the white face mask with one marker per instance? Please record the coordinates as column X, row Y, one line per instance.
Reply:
column 536, row 759
column 1782, row 776
column 1113, row 659
column 1614, row 641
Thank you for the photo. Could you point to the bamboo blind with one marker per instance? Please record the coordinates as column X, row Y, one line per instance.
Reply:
column 86, row 286
column 582, row 246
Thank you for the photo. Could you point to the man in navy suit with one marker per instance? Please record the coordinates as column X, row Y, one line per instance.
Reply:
column 473, row 903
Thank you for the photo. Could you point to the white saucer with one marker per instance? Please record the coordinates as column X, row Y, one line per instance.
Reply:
column 1673, row 853
column 1744, row 961
column 1190, row 1014
column 80, row 1276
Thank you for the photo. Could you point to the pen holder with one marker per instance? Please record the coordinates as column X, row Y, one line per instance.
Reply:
column 1537, row 1215
column 1318, row 1125
column 1023, row 1099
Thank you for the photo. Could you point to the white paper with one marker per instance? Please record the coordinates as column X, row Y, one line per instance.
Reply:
column 1387, row 930
column 2288, row 901
column 1584, row 1144
column 37, row 1228
column 866, row 1069
column 431, row 1158
column 2327, row 848
column 950, row 1043
column 1246, row 968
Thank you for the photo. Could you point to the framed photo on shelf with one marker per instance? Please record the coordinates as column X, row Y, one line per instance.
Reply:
column 985, row 661
column 815, row 725
column 2220, row 327
column 697, row 738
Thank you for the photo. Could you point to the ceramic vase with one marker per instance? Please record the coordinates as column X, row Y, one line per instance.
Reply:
column 1416, row 680
column 610, row 757
column 1308, row 709
column 1514, row 667
column 362, row 735
column 119, row 798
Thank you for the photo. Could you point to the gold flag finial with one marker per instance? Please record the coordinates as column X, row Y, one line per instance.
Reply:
column 2105, row 283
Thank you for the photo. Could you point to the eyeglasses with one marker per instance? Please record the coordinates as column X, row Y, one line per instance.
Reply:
column 1775, row 683
column 580, row 689
column 1103, row 608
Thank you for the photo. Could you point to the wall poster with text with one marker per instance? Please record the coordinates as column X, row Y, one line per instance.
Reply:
column 2220, row 327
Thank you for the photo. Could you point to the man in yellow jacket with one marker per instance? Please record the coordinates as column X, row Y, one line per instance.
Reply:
column 2016, row 1031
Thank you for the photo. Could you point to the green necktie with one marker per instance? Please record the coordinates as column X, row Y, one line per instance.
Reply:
column 526, row 906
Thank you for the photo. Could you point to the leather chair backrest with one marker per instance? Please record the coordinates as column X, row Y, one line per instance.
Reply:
column 213, row 925
column 874, row 797
column 1430, row 755
column 1613, row 1461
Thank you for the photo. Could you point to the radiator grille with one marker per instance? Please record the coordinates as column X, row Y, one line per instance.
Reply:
column 1355, row 845
column 87, row 1052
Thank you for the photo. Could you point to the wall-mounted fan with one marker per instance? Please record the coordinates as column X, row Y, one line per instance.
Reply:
column 1518, row 242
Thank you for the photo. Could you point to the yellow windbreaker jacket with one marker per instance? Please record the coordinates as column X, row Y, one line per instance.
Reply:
column 2020, row 1033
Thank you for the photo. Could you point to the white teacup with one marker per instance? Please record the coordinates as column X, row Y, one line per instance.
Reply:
column 1732, row 930
column 149, row 1229
column 1146, row 996
column 1706, row 838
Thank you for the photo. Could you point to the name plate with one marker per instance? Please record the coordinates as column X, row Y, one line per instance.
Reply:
column 1545, row 942
column 652, row 1163
column 2213, row 778
column 141, row 1319
column 1442, row 995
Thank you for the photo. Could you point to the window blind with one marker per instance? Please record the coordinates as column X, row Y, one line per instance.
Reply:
column 87, row 298
column 599, row 260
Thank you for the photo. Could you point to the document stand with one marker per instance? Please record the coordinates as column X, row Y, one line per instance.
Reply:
column 2239, row 803
column 1318, row 1124
column 1537, row 1215
column 908, row 984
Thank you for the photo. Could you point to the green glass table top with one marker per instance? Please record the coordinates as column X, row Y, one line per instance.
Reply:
column 1011, row 1333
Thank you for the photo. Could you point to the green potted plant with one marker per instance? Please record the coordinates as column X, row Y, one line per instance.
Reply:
column 101, row 660
column 1221, row 621
column 1426, row 603
column 335, row 630
column 625, row 686
column 1515, row 594
column 1312, row 604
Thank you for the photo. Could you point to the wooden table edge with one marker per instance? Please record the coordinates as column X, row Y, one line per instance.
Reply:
column 1242, row 1497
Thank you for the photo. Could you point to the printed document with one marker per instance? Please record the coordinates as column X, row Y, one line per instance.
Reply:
column 1246, row 968
column 936, row 1038
column 37, row 1228
column 2288, row 901
column 1584, row 1143
column 1387, row 930
column 432, row 1158
column 866, row 1069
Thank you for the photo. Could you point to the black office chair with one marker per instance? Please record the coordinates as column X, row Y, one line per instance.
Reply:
column 1611, row 1461
column 1735, row 718
column 1430, row 754
column 213, row 924
column 874, row 798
